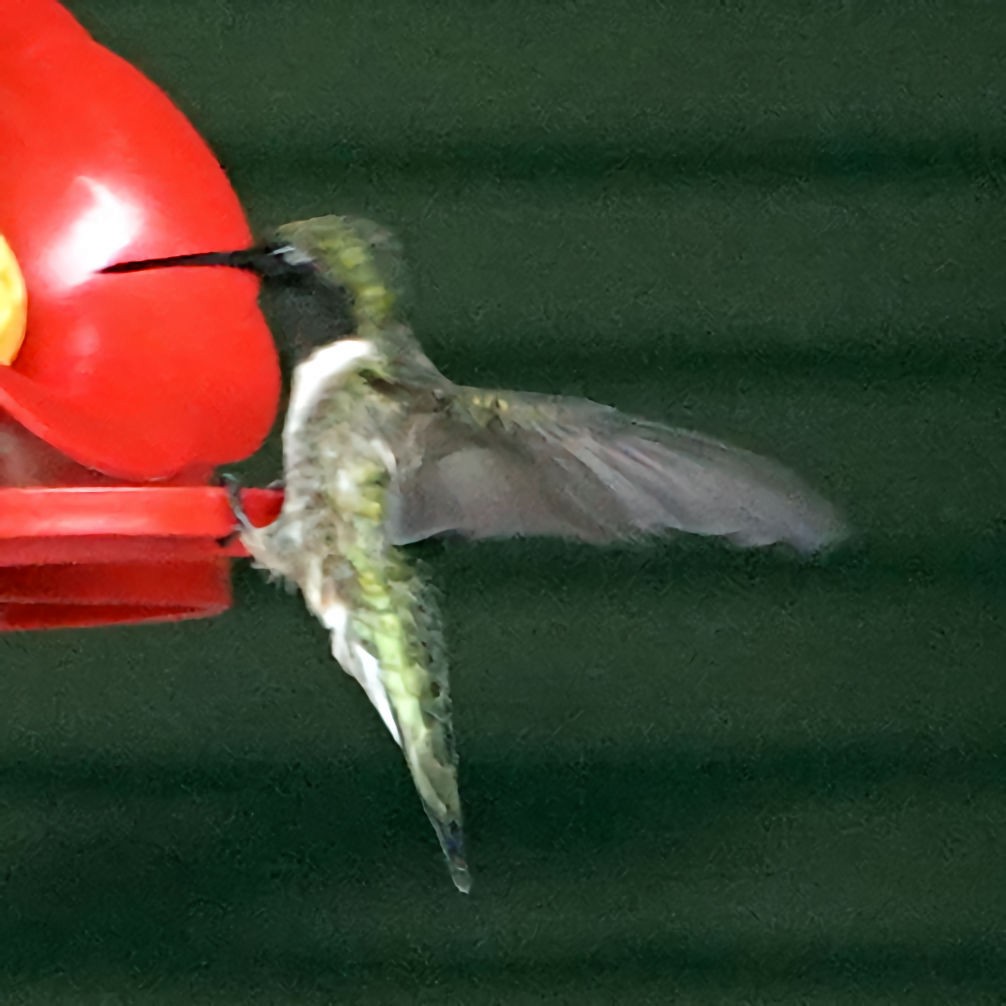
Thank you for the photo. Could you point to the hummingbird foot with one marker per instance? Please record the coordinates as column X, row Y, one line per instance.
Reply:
column 243, row 525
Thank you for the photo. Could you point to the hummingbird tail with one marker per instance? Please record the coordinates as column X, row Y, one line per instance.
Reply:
column 436, row 785
column 414, row 675
column 452, row 841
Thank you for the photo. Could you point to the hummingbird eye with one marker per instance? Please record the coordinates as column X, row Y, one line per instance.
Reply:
column 292, row 255
column 284, row 262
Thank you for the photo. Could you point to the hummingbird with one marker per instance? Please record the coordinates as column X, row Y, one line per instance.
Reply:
column 382, row 450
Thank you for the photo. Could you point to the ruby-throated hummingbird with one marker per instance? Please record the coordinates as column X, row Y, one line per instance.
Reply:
column 380, row 449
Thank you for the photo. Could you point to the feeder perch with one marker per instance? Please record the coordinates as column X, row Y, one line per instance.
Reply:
column 119, row 395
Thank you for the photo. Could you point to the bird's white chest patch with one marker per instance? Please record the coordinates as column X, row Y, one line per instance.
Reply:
column 357, row 661
column 323, row 370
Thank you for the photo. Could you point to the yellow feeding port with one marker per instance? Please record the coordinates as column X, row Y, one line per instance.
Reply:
column 13, row 304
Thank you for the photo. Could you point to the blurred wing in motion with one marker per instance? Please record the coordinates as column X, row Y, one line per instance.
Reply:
column 503, row 464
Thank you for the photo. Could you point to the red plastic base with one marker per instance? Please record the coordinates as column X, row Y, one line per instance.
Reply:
column 74, row 557
column 79, row 596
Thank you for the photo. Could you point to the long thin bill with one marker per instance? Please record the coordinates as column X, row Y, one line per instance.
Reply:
column 245, row 259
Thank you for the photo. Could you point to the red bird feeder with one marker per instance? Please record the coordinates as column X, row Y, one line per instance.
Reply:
column 119, row 395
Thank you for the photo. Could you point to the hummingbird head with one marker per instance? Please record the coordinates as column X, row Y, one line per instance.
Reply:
column 325, row 277
column 356, row 255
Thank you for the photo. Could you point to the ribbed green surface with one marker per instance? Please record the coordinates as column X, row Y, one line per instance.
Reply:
column 690, row 775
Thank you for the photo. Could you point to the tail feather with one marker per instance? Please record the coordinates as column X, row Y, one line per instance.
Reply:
column 429, row 753
column 396, row 652
column 452, row 842
column 454, row 849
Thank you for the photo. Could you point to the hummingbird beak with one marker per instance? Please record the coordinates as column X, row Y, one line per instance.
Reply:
column 267, row 261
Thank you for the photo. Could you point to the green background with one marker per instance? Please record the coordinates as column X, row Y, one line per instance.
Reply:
column 691, row 775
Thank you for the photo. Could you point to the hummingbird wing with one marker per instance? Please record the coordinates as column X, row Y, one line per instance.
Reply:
column 501, row 464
